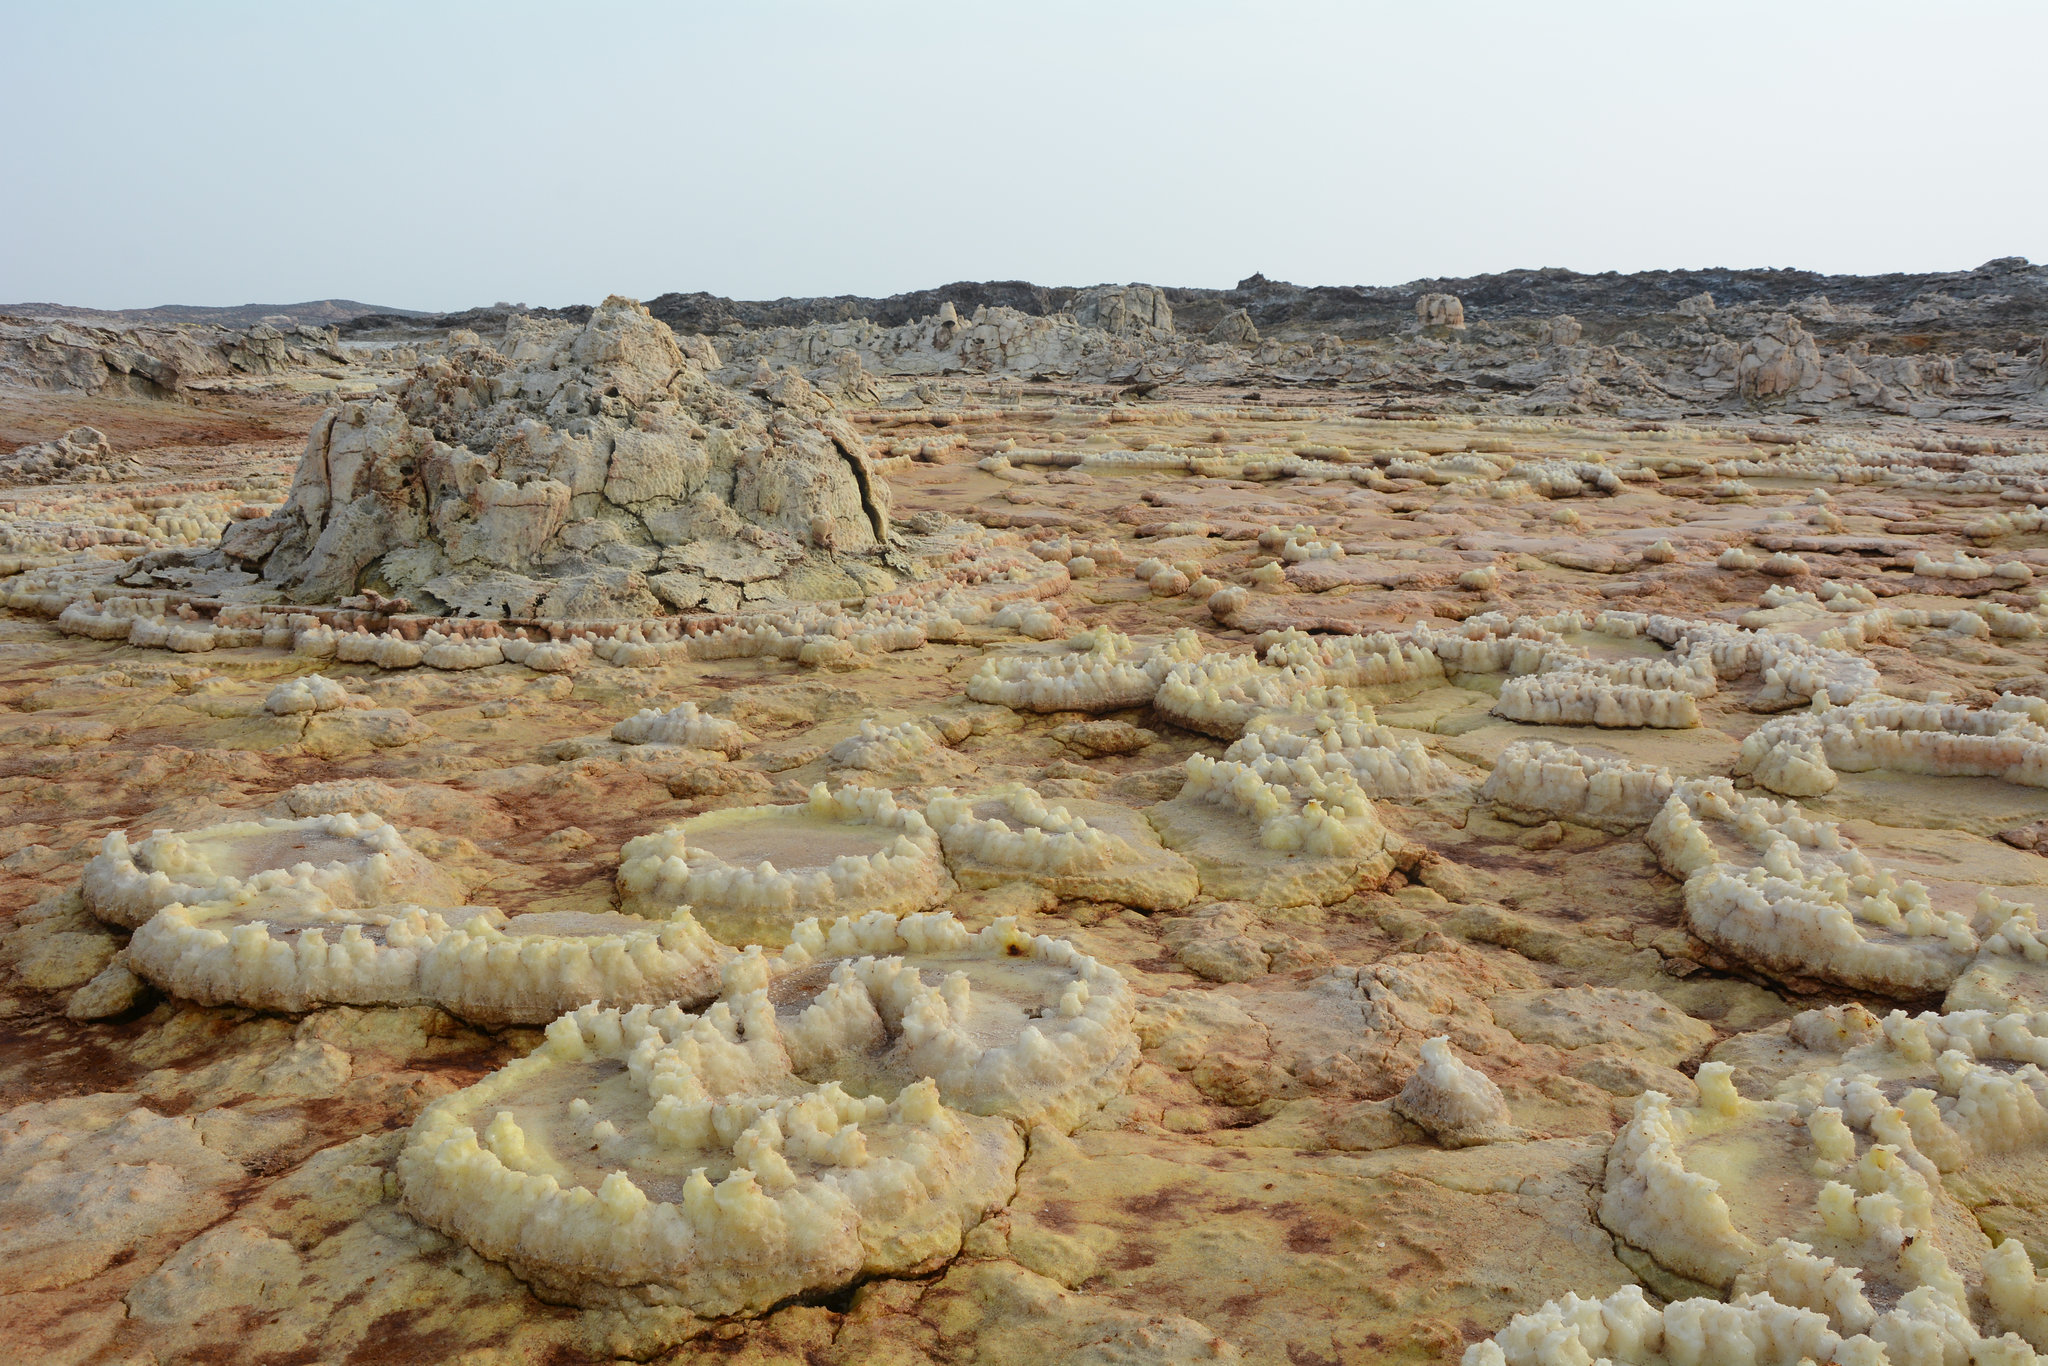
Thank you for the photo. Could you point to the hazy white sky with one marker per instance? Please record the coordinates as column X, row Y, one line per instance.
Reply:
column 438, row 155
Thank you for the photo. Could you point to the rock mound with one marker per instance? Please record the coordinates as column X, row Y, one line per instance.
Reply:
column 82, row 455
column 155, row 362
column 577, row 472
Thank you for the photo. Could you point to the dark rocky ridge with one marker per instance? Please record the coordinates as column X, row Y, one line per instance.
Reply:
column 2013, row 293
column 2006, row 303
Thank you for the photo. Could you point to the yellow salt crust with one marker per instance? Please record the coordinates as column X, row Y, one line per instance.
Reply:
column 1538, row 780
column 851, row 851
column 1014, row 834
column 291, row 949
column 354, row 859
column 835, row 1115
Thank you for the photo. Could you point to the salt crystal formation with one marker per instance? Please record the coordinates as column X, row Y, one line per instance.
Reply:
column 1849, row 1231
column 1097, row 670
column 275, row 952
column 1072, row 848
column 1772, row 887
column 682, row 725
column 1456, row 1103
column 353, row 860
column 752, row 873
column 1536, row 781
column 1799, row 755
column 830, row 1117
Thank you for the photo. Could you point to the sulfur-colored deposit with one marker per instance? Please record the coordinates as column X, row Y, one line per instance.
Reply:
column 1499, row 821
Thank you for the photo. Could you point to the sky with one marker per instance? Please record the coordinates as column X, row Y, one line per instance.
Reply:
column 442, row 155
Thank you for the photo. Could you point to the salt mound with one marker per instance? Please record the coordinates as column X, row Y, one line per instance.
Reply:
column 1790, row 895
column 835, row 1115
column 601, row 475
column 1799, row 755
column 315, row 692
column 752, row 872
column 1536, row 781
column 352, row 859
column 1456, row 1103
column 1314, row 744
column 1220, row 694
column 1839, row 1216
column 1313, row 838
column 1094, row 670
column 82, row 455
column 682, row 725
column 1077, row 849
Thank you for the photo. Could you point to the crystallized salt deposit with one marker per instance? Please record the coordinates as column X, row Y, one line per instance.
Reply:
column 751, row 873
column 352, row 859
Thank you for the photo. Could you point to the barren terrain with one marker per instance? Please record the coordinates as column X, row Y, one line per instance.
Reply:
column 1341, row 833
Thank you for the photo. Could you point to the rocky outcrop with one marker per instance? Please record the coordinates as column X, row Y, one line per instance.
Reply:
column 154, row 362
column 576, row 472
column 993, row 340
column 82, row 455
column 1440, row 310
column 1124, row 310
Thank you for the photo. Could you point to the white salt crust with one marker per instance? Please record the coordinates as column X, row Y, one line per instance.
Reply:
column 1536, row 781
column 1455, row 1103
column 852, row 851
column 1014, row 834
column 1801, row 755
column 822, row 1122
column 1301, row 750
column 292, row 950
column 1098, row 670
column 1790, row 895
column 313, row 693
column 1875, row 1267
column 683, row 725
column 1219, row 694
column 878, row 748
column 353, row 859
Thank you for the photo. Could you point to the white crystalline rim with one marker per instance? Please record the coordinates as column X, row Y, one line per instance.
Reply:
column 1557, row 780
column 2008, row 741
column 1048, row 839
column 681, row 725
column 1731, row 905
column 1327, row 815
column 876, row 747
column 906, row 874
column 1102, row 670
column 1819, row 1309
column 1344, row 743
column 802, row 1181
column 127, row 884
column 473, row 968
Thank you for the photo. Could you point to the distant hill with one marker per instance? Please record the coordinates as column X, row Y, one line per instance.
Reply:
column 316, row 313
